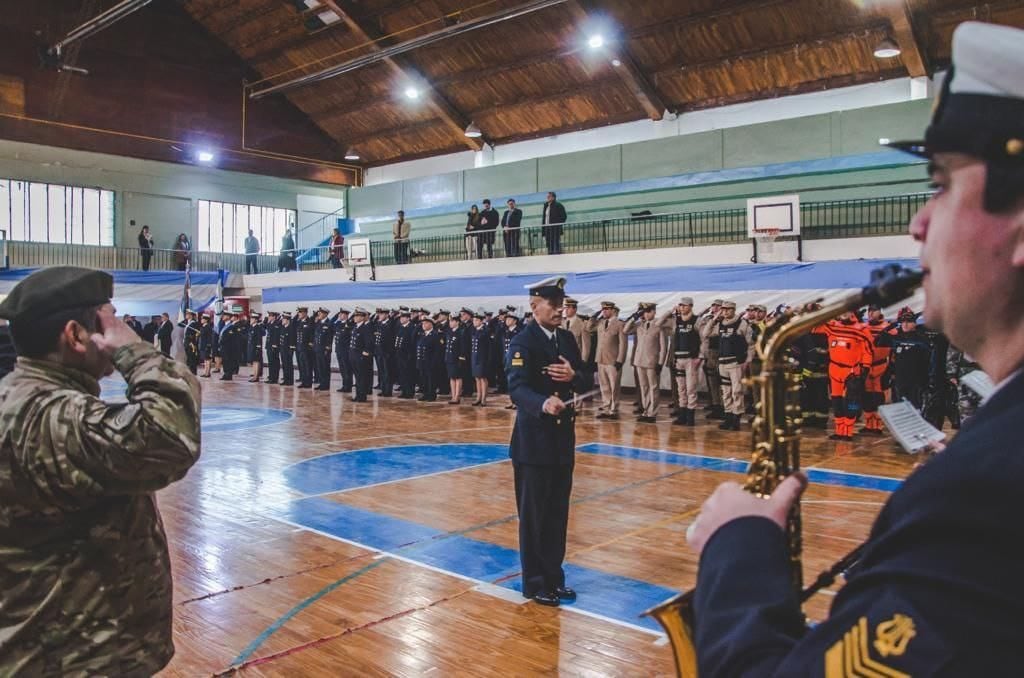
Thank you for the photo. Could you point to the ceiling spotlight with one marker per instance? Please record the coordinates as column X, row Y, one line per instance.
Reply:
column 412, row 93
column 473, row 132
column 887, row 49
column 616, row 63
column 204, row 156
column 596, row 41
column 351, row 154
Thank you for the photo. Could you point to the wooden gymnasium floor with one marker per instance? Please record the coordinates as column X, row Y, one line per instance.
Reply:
column 322, row 537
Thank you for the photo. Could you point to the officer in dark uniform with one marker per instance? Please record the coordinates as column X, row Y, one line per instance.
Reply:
column 911, row 356
column 206, row 342
column 360, row 354
column 512, row 328
column 428, row 356
column 383, row 347
column 191, row 340
column 230, row 349
column 545, row 372
column 289, row 337
column 254, row 349
column 440, row 382
column 405, row 355
column 273, row 347
column 936, row 590
column 342, row 337
column 304, row 346
column 479, row 360
column 323, row 337
column 456, row 359
column 497, row 356
column 810, row 352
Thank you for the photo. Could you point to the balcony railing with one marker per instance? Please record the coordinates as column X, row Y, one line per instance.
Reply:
column 832, row 219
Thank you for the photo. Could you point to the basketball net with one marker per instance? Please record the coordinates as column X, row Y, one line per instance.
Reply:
column 766, row 240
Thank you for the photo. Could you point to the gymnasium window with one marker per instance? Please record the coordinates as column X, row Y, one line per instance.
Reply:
column 224, row 226
column 56, row 214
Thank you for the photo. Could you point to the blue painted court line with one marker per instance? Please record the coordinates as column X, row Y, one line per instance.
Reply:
column 815, row 475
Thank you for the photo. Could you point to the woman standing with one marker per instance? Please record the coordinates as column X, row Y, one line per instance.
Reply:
column 182, row 252
column 205, row 344
column 286, row 260
column 472, row 228
column 337, row 248
column 455, row 359
column 145, row 247
column 480, row 350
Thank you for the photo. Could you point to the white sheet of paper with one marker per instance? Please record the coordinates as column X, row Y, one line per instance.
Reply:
column 909, row 428
column 980, row 383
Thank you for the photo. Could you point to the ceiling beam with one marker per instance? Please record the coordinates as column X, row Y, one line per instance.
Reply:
column 531, row 59
column 452, row 117
column 905, row 35
column 243, row 19
column 391, row 132
column 721, row 9
column 639, row 86
column 576, row 89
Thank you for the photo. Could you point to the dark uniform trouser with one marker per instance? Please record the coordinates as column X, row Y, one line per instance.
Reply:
column 323, row 368
column 429, row 375
column 287, row 367
column 344, row 368
column 542, row 500
column 384, row 379
column 192, row 360
column 308, row 357
column 814, row 399
column 273, row 365
column 229, row 360
column 407, row 375
column 300, row 358
column 362, row 366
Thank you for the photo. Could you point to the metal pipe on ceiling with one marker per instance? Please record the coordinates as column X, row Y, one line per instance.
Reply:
column 97, row 24
column 407, row 46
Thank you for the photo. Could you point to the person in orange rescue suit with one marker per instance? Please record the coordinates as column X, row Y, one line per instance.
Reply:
column 876, row 384
column 850, row 356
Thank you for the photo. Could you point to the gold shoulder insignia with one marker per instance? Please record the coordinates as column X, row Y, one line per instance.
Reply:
column 850, row 657
column 891, row 637
column 518, row 355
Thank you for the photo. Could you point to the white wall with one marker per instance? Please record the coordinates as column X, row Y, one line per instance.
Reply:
column 782, row 108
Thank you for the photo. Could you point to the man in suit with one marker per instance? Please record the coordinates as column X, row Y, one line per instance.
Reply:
column 937, row 589
column 150, row 329
column 650, row 358
column 400, row 232
column 488, row 226
column 552, row 220
column 511, row 221
column 610, row 355
column 545, row 373
column 164, row 333
column 360, row 354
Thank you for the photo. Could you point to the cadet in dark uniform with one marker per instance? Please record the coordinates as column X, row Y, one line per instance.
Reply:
column 274, row 332
column 323, row 338
column 428, row 357
column 190, row 339
column 512, row 328
column 304, row 347
column 360, row 354
column 911, row 355
column 405, row 355
column 229, row 349
column 289, row 337
column 383, row 347
column 544, row 372
column 206, row 343
column 254, row 349
column 342, row 337
column 937, row 589
column 456, row 359
column 480, row 349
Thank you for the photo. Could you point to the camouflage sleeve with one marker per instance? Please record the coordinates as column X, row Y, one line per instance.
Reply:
column 79, row 447
column 953, row 356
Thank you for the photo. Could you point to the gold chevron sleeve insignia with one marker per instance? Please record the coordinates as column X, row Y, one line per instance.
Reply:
column 850, row 657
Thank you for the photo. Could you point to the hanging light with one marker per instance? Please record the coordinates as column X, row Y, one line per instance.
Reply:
column 887, row 49
column 596, row 41
column 473, row 132
column 412, row 93
column 351, row 154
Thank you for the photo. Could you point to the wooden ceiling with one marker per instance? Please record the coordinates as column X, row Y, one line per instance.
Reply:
column 535, row 76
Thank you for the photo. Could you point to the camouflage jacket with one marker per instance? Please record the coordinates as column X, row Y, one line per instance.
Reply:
column 84, row 569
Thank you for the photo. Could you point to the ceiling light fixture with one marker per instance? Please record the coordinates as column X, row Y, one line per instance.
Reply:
column 473, row 132
column 616, row 63
column 596, row 41
column 412, row 93
column 204, row 156
column 887, row 49
column 351, row 154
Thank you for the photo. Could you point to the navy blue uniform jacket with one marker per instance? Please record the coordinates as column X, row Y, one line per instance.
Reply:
column 540, row 438
column 938, row 591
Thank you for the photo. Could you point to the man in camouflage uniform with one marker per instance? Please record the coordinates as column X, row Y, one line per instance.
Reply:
column 967, row 402
column 84, row 565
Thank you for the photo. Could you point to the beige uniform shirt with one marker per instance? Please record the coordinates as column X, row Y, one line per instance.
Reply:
column 651, row 344
column 611, row 340
column 580, row 332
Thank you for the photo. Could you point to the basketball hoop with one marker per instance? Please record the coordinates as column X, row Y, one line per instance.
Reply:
column 766, row 240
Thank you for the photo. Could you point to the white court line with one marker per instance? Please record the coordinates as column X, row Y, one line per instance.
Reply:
column 566, row 608
column 402, row 480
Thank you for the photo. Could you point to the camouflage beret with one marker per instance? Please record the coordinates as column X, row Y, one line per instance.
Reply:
column 58, row 288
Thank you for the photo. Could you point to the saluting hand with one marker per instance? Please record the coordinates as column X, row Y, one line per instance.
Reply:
column 561, row 372
column 553, row 406
column 730, row 501
column 113, row 332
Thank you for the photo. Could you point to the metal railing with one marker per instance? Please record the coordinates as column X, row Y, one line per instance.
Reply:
column 826, row 219
column 830, row 219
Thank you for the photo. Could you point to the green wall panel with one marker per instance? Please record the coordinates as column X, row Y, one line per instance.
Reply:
column 499, row 182
column 673, row 155
column 861, row 129
column 781, row 141
column 375, row 201
column 585, row 168
column 432, row 191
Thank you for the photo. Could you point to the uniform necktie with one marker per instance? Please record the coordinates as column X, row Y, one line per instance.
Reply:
column 606, row 324
column 647, row 325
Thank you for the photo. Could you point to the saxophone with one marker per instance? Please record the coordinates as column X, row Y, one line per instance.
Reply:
column 776, row 454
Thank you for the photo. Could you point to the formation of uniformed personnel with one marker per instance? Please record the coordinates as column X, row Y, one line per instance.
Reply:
column 84, row 565
column 257, row 332
column 610, row 357
column 286, row 348
column 360, row 354
column 383, row 349
column 456, row 358
column 190, row 339
column 731, row 336
column 231, row 345
column 479, row 356
column 512, row 328
column 273, row 331
column 305, row 353
column 429, row 352
column 545, row 372
column 342, row 338
column 323, row 342
column 684, row 351
column 405, row 354
column 649, row 358
column 709, row 351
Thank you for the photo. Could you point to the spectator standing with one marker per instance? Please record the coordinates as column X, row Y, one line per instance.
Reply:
column 488, row 225
column 400, row 232
column 510, row 224
column 337, row 250
column 553, row 219
column 472, row 231
column 252, row 250
column 182, row 252
column 286, row 260
column 163, row 334
column 145, row 247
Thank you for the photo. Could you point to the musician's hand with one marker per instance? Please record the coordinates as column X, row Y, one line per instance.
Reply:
column 561, row 372
column 553, row 406
column 731, row 501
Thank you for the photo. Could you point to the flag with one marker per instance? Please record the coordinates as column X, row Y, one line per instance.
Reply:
column 185, row 292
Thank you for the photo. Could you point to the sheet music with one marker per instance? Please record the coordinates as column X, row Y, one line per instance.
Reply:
column 909, row 428
column 980, row 383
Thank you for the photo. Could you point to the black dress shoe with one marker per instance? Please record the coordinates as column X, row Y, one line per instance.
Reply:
column 565, row 593
column 547, row 598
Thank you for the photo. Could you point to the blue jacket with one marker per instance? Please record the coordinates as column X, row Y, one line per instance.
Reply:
column 937, row 592
column 540, row 438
